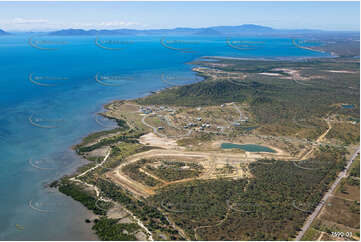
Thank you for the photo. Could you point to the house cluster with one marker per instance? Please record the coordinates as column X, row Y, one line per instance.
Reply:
column 206, row 125
column 194, row 124
column 242, row 120
column 146, row 110
column 189, row 125
column 163, row 108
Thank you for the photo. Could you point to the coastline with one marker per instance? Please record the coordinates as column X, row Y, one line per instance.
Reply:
column 105, row 108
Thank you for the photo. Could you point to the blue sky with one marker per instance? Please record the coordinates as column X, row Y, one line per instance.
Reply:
column 145, row 15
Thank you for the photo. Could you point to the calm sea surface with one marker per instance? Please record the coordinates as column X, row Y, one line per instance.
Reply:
column 50, row 91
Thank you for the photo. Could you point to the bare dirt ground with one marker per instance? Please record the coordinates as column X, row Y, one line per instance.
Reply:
column 116, row 212
column 212, row 161
column 307, row 154
column 269, row 74
column 162, row 142
column 215, row 161
column 99, row 152
column 295, row 75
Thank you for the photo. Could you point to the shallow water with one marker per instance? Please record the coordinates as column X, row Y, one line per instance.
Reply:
column 348, row 106
column 248, row 147
column 49, row 99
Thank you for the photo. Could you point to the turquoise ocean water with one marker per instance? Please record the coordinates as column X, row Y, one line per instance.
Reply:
column 49, row 97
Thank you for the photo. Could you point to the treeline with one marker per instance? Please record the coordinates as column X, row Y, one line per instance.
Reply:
column 271, row 206
column 152, row 218
column 79, row 194
column 110, row 230
column 355, row 171
column 273, row 101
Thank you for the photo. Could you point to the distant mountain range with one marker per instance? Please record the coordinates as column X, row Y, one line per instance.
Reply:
column 241, row 30
column 248, row 30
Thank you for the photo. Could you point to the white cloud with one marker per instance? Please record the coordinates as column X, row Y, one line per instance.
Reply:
column 21, row 24
column 28, row 21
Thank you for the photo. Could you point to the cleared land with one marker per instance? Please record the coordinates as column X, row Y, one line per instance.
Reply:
column 168, row 172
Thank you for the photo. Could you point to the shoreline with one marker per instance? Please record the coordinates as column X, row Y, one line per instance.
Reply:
column 106, row 105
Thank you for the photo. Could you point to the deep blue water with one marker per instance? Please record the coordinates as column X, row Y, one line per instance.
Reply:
column 39, row 123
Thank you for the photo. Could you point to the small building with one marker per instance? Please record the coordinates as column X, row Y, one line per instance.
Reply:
column 160, row 128
column 146, row 110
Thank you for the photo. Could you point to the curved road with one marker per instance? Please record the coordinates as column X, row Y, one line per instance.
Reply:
column 319, row 139
column 97, row 191
column 238, row 110
column 155, row 130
